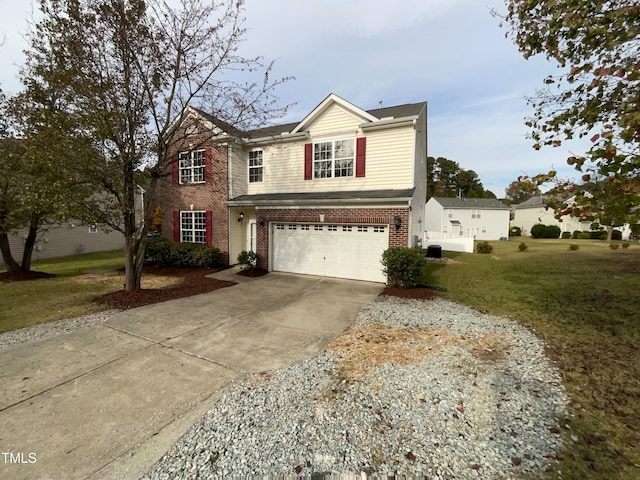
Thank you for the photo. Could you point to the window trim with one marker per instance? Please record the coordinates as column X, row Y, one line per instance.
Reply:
column 193, row 230
column 333, row 169
column 258, row 168
column 191, row 168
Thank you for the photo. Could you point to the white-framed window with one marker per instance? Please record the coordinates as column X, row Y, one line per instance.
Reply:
column 304, row 227
column 256, row 166
column 362, row 228
column 332, row 228
column 192, row 166
column 193, row 226
column 279, row 226
column 484, row 229
column 334, row 158
column 346, row 228
column 449, row 214
column 317, row 228
column 378, row 229
column 292, row 227
column 476, row 214
column 93, row 228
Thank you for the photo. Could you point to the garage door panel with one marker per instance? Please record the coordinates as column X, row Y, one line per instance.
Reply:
column 330, row 250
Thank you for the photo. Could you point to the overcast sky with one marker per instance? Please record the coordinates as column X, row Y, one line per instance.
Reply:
column 450, row 53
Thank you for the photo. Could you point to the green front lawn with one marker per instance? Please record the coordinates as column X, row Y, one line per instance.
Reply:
column 585, row 304
column 68, row 294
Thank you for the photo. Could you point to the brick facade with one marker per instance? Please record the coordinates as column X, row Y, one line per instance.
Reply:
column 209, row 196
column 371, row 216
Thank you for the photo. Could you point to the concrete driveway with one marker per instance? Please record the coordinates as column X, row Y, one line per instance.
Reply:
column 107, row 401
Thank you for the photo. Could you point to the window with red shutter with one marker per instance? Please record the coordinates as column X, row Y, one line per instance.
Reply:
column 361, row 155
column 308, row 161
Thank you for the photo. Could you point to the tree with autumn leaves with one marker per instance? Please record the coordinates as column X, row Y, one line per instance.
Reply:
column 596, row 45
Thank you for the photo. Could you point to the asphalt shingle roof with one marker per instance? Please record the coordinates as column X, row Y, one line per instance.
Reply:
column 484, row 203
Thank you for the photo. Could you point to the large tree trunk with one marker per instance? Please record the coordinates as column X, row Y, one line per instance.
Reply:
column 11, row 265
column 30, row 242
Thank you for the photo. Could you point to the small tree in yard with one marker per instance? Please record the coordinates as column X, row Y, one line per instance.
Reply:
column 133, row 66
column 595, row 96
column 403, row 266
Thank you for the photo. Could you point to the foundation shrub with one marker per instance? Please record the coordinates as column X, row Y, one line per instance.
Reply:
column 403, row 266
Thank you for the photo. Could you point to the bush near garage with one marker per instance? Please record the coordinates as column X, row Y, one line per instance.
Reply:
column 403, row 266
column 165, row 253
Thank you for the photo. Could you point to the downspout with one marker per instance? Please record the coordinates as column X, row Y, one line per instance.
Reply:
column 230, row 196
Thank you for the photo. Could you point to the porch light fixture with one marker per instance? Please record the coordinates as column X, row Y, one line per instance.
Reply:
column 240, row 217
column 261, row 221
column 397, row 221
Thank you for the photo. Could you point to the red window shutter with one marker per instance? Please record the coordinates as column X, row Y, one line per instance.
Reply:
column 209, row 220
column 308, row 161
column 207, row 164
column 175, row 169
column 176, row 226
column 361, row 155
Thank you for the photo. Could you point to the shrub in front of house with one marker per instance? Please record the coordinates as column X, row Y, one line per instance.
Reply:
column 614, row 246
column 403, row 266
column 545, row 231
column 515, row 232
column 566, row 234
column 574, row 246
column 575, row 234
column 616, row 235
column 248, row 260
column 625, row 245
column 484, row 247
column 523, row 247
column 165, row 253
column 583, row 236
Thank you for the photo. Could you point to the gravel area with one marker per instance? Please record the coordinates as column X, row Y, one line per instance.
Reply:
column 45, row 330
column 427, row 389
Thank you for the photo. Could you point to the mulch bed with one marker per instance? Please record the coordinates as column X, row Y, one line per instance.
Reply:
column 194, row 282
column 419, row 293
column 252, row 272
column 21, row 277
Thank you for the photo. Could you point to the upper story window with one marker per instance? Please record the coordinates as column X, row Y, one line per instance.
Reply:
column 192, row 166
column 333, row 158
column 256, row 167
column 476, row 214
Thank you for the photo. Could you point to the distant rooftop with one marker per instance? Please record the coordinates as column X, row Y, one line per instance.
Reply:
column 485, row 203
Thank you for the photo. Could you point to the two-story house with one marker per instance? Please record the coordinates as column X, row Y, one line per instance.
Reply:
column 476, row 218
column 323, row 196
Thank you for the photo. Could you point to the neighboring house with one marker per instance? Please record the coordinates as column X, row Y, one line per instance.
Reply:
column 534, row 211
column 475, row 218
column 64, row 239
column 323, row 196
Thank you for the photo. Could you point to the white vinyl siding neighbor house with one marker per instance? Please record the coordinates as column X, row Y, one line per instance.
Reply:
column 476, row 218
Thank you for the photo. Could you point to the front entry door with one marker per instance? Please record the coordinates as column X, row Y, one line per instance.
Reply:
column 251, row 236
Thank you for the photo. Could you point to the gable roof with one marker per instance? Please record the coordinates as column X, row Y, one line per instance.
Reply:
column 484, row 203
column 534, row 202
column 375, row 115
column 330, row 100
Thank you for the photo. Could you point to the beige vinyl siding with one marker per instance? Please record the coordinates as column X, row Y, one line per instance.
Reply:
column 390, row 158
column 65, row 239
column 333, row 121
column 418, row 201
column 239, row 171
column 389, row 165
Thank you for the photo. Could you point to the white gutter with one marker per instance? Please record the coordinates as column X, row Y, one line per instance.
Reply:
column 394, row 122
column 285, row 137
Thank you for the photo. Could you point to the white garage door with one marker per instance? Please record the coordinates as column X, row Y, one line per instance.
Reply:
column 344, row 251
